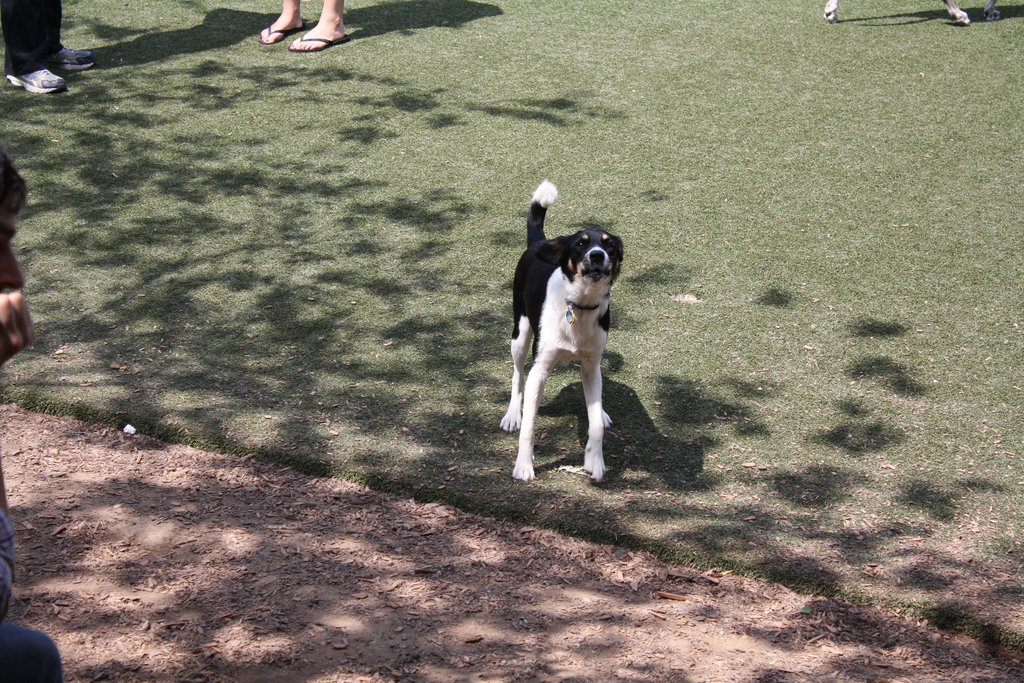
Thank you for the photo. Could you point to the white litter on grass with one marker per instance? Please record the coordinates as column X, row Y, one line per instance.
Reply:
column 128, row 429
column 686, row 299
column 572, row 469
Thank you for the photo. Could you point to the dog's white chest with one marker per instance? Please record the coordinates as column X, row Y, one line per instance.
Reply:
column 568, row 329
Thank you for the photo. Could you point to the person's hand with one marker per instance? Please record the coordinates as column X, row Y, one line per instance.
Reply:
column 16, row 329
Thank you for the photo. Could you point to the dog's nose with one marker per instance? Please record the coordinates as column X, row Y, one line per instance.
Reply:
column 596, row 257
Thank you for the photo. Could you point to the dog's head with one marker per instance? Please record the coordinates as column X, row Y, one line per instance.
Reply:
column 590, row 256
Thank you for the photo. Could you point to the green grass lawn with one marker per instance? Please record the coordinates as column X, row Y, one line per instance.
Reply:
column 814, row 370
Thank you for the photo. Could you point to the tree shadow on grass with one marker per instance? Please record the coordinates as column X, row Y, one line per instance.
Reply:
column 556, row 111
column 898, row 377
column 687, row 404
column 858, row 433
column 873, row 327
column 861, row 436
column 670, row 276
column 776, row 298
column 222, row 28
column 816, row 486
column 256, row 313
column 406, row 16
column 941, row 502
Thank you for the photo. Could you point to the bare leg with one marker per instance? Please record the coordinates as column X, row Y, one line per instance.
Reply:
column 330, row 27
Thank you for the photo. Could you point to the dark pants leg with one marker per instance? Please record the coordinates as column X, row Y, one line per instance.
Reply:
column 31, row 33
column 28, row 656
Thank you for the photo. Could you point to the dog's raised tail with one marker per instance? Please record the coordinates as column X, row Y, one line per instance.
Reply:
column 543, row 197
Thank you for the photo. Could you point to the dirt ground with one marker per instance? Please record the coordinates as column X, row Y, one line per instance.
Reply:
column 150, row 562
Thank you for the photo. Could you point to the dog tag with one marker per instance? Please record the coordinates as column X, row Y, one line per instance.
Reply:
column 570, row 317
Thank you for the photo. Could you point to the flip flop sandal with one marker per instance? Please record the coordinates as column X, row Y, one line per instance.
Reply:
column 284, row 34
column 325, row 43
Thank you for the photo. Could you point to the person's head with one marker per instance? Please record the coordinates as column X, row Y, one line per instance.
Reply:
column 12, row 198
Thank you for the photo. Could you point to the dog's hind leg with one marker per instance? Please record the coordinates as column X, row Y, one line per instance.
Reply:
column 593, row 456
column 520, row 349
column 531, row 402
column 991, row 13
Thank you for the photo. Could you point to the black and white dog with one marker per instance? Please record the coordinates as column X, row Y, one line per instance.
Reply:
column 957, row 14
column 560, row 297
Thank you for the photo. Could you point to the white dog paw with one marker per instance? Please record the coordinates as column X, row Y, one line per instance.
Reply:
column 961, row 17
column 595, row 470
column 607, row 420
column 993, row 15
column 512, row 420
column 593, row 464
column 523, row 471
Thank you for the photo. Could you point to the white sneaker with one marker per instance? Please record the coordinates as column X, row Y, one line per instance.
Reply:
column 40, row 81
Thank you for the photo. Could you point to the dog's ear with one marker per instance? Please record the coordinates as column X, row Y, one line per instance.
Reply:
column 552, row 251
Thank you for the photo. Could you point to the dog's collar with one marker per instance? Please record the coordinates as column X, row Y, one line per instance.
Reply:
column 572, row 304
column 570, row 317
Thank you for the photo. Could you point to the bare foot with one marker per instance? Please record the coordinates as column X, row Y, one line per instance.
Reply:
column 322, row 36
column 280, row 30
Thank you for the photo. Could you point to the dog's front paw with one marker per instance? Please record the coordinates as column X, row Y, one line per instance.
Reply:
column 512, row 420
column 523, row 471
column 593, row 463
column 607, row 420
